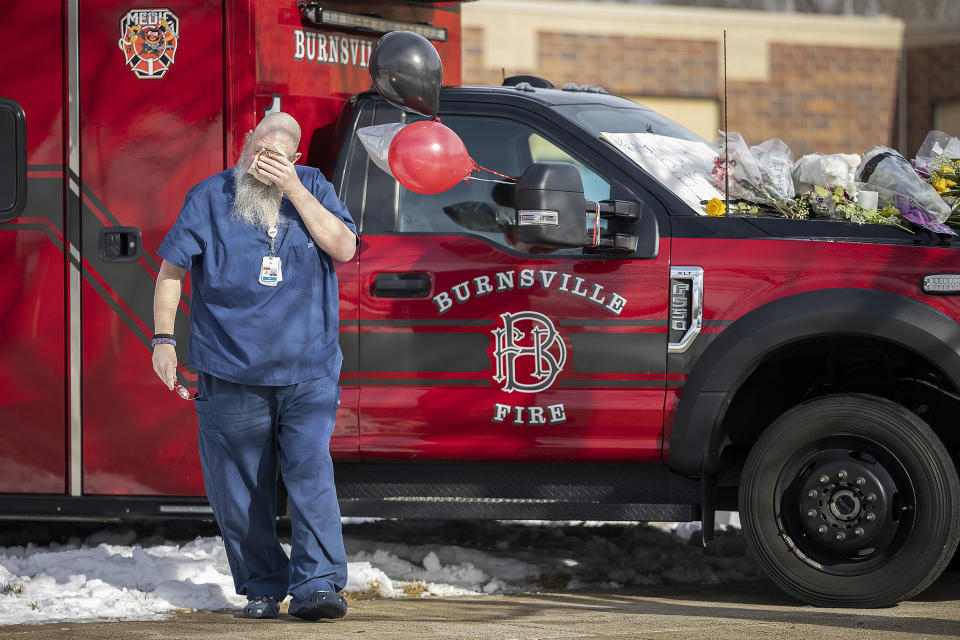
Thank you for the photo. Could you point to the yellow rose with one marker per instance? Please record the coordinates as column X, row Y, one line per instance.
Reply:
column 941, row 184
column 716, row 208
column 946, row 169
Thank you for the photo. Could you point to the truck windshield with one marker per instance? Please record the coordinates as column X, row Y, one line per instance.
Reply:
column 599, row 118
column 677, row 158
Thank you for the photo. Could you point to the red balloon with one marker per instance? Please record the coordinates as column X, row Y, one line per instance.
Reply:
column 427, row 157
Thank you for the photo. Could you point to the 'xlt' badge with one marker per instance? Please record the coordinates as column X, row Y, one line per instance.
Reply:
column 686, row 307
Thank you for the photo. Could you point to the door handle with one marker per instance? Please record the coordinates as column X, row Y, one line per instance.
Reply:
column 402, row 285
column 120, row 244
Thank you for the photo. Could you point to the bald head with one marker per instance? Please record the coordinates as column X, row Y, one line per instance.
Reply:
column 279, row 124
column 275, row 127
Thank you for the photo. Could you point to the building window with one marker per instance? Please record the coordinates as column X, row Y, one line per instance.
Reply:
column 700, row 115
column 946, row 116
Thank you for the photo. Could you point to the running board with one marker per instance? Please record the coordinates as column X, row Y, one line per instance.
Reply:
column 440, row 507
column 512, row 491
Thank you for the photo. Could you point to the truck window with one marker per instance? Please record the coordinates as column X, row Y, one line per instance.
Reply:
column 542, row 150
column 633, row 119
column 483, row 208
column 13, row 160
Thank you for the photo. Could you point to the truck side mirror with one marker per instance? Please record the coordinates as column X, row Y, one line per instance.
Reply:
column 551, row 210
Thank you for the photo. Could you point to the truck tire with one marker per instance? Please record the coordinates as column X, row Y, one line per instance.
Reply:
column 850, row 500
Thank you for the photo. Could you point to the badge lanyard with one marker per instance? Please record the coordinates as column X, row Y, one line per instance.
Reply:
column 271, row 271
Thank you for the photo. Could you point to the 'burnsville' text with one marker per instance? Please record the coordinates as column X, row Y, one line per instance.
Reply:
column 527, row 279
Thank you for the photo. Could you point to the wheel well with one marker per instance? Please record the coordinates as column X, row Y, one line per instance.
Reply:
column 825, row 366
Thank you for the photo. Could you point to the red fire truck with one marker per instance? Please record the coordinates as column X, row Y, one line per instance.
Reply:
column 806, row 372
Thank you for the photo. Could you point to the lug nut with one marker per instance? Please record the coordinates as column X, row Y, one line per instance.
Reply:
column 822, row 529
column 858, row 531
column 842, row 475
column 812, row 513
column 812, row 493
column 841, row 536
column 824, row 479
column 871, row 516
column 861, row 481
column 871, row 497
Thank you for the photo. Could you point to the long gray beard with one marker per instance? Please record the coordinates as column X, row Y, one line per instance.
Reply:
column 255, row 203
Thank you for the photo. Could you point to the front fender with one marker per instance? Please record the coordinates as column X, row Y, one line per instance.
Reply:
column 736, row 353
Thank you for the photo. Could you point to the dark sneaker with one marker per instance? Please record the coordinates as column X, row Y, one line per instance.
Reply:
column 262, row 607
column 319, row 604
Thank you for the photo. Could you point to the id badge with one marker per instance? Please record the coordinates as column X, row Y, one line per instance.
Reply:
column 270, row 271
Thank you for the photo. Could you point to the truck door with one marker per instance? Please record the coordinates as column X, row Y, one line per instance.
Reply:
column 472, row 346
column 33, row 335
column 151, row 113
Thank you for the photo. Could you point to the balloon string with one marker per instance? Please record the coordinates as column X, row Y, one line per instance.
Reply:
column 477, row 167
column 596, row 227
column 469, row 179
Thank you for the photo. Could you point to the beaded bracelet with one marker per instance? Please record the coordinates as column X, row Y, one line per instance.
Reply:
column 158, row 340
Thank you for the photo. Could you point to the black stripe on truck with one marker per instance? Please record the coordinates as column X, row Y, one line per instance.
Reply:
column 463, row 352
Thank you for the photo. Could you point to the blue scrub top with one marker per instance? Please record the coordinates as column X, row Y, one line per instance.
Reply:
column 244, row 331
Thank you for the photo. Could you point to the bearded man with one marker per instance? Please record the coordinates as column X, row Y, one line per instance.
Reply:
column 264, row 339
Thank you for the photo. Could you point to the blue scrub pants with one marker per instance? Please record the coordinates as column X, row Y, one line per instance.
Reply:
column 242, row 428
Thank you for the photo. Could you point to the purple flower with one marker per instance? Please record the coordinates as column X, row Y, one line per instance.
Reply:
column 922, row 170
column 918, row 216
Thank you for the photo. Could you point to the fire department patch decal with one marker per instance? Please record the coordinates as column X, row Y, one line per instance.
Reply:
column 528, row 353
column 149, row 39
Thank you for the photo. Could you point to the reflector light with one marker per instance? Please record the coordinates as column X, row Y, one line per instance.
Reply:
column 941, row 283
column 184, row 508
column 313, row 13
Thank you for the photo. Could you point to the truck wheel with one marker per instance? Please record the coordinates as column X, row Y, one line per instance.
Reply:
column 850, row 500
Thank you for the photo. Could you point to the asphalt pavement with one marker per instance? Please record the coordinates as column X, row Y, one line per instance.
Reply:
column 746, row 610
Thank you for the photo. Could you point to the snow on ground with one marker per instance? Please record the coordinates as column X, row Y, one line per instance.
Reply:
column 123, row 573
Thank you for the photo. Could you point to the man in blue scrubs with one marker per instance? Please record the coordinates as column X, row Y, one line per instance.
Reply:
column 259, row 241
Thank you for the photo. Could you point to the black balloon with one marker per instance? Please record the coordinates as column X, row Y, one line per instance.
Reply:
column 406, row 70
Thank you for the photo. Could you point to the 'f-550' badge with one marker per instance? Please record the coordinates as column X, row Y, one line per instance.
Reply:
column 149, row 38
column 528, row 353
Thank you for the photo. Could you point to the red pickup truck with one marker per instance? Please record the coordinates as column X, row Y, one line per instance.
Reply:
column 804, row 372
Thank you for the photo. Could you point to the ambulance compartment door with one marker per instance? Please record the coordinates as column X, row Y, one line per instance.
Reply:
column 34, row 420
column 152, row 126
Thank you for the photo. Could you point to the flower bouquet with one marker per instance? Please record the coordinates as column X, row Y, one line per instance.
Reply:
column 735, row 166
column 944, row 176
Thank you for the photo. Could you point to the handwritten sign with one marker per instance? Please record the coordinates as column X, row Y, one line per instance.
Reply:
column 682, row 166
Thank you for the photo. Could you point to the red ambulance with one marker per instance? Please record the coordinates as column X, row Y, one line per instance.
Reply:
column 111, row 113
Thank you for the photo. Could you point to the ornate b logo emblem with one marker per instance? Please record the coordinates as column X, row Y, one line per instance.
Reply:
column 149, row 38
column 528, row 353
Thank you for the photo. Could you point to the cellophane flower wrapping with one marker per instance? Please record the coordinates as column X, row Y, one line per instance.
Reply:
column 936, row 144
column 775, row 161
column 895, row 174
column 919, row 217
column 746, row 181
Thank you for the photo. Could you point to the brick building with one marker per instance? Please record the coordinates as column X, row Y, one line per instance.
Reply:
column 821, row 83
